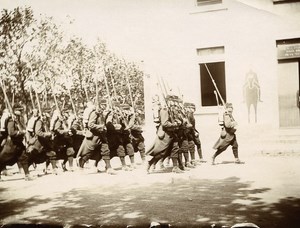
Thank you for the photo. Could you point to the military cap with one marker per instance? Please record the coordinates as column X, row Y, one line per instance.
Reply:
column 17, row 112
column 169, row 97
column 189, row 105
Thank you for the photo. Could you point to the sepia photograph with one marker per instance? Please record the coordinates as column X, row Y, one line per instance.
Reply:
column 150, row 113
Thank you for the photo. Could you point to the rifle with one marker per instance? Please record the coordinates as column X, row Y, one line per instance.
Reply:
column 217, row 92
column 164, row 96
column 107, row 91
column 129, row 89
column 19, row 125
column 214, row 83
column 57, row 107
column 221, row 110
column 112, row 82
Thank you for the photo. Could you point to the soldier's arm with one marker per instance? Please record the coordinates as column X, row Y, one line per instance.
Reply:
column 165, row 121
column 131, row 122
column 39, row 130
column 92, row 124
column 228, row 122
column 12, row 131
column 110, row 126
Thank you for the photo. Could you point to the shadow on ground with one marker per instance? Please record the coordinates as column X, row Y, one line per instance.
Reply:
column 181, row 203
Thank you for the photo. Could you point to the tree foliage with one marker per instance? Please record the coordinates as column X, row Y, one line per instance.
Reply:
column 39, row 62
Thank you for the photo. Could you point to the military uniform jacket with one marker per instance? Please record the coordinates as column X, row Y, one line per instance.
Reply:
column 13, row 132
column 97, row 128
column 39, row 138
column 165, row 134
column 229, row 125
column 114, row 136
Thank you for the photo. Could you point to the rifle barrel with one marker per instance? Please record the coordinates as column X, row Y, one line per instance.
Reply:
column 213, row 81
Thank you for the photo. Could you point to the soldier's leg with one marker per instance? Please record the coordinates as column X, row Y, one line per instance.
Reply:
column 217, row 153
column 141, row 148
column 121, row 155
column 151, row 162
column 174, row 156
column 70, row 154
column 130, row 152
column 199, row 149
column 235, row 150
column 84, row 159
column 191, row 148
column 24, row 162
column 185, row 150
column 52, row 159
column 105, row 153
column 63, row 164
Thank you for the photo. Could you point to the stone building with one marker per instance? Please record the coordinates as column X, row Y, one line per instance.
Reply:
column 250, row 49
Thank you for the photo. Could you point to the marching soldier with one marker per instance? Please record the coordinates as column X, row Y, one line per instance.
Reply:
column 127, row 122
column 3, row 125
column 228, row 136
column 95, row 142
column 194, row 134
column 61, row 137
column 183, row 136
column 13, row 146
column 39, row 144
column 166, row 142
column 137, row 136
column 118, row 136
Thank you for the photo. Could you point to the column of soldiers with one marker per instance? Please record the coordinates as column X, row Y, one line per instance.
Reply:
column 105, row 131
column 176, row 137
column 101, row 133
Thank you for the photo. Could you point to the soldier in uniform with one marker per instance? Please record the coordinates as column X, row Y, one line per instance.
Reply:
column 228, row 136
column 127, row 121
column 73, row 139
column 39, row 144
column 166, row 142
column 95, row 142
column 61, row 137
column 118, row 135
column 194, row 135
column 183, row 136
column 13, row 146
column 137, row 136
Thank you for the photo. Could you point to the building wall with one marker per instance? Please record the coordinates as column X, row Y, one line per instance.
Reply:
column 249, row 37
column 248, row 30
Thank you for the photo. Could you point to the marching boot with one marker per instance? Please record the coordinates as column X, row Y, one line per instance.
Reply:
column 236, row 156
column 109, row 169
column 213, row 159
column 63, row 166
column 71, row 159
column 176, row 169
column 132, row 165
column 124, row 166
column 199, row 150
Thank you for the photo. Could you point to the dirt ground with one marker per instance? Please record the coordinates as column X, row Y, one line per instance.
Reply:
column 264, row 191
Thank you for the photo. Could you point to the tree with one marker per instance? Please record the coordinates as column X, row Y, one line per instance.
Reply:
column 16, row 32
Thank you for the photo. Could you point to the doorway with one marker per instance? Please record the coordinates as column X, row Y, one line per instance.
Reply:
column 288, row 93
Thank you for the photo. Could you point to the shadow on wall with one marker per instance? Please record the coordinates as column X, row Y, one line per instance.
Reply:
column 251, row 94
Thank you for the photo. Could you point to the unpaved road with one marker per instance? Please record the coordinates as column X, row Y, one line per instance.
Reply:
column 265, row 191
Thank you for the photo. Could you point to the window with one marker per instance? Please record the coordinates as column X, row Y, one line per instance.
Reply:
column 208, row 2
column 211, row 73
